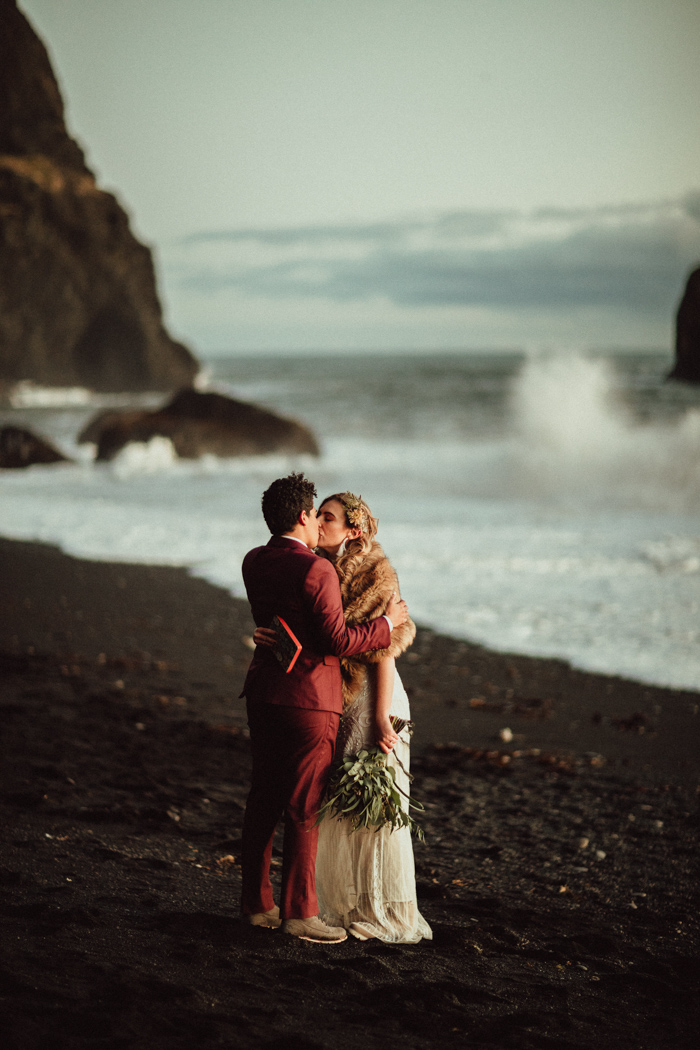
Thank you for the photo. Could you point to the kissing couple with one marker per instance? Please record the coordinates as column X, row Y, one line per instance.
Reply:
column 325, row 575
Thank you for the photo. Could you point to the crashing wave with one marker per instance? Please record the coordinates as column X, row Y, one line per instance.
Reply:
column 577, row 441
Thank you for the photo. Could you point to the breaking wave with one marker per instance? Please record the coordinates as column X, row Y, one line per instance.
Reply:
column 576, row 440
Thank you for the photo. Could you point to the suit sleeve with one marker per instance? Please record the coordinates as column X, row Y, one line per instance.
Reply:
column 322, row 595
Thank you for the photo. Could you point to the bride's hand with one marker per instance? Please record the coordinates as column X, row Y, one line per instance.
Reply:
column 265, row 636
column 385, row 735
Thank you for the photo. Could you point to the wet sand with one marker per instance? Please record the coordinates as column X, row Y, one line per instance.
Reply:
column 560, row 872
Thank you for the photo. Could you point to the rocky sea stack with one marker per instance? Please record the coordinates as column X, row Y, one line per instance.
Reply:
column 687, row 366
column 20, row 448
column 201, row 424
column 78, row 300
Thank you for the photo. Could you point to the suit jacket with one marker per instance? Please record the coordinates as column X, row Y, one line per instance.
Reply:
column 287, row 579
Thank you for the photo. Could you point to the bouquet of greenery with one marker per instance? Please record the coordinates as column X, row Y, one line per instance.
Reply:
column 363, row 788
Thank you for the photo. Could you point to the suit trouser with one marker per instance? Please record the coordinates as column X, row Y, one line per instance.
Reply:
column 292, row 752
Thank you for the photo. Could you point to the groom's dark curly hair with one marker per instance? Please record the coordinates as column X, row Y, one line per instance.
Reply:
column 284, row 500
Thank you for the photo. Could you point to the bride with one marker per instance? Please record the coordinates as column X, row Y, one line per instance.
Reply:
column 365, row 879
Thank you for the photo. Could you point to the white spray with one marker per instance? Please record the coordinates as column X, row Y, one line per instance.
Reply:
column 574, row 441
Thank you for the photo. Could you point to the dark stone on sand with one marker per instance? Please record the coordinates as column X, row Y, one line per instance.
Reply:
column 78, row 299
column 20, row 448
column 201, row 423
column 687, row 366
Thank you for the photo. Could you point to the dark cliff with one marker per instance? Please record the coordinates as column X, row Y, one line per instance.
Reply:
column 78, row 299
column 687, row 366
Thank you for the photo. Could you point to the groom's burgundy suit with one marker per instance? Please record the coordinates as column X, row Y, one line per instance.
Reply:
column 293, row 717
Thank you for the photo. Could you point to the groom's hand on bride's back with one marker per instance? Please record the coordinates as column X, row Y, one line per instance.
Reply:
column 397, row 611
column 265, row 636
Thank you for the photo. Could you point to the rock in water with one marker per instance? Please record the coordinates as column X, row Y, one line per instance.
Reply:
column 21, row 448
column 78, row 300
column 201, row 423
column 687, row 365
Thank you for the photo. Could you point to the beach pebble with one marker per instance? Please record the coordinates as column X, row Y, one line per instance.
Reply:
column 658, row 823
column 506, row 735
column 600, row 854
column 582, row 843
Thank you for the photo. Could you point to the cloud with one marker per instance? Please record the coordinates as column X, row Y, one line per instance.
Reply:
column 599, row 276
column 629, row 257
column 294, row 235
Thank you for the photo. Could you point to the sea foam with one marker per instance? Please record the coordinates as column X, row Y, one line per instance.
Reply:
column 565, row 525
column 575, row 439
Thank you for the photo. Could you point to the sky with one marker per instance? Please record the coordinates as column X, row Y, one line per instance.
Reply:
column 396, row 174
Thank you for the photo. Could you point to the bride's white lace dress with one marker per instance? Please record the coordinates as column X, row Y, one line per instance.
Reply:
column 366, row 878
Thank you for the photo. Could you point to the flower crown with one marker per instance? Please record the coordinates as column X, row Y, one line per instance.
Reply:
column 354, row 510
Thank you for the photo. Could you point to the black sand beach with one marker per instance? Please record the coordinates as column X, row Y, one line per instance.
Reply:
column 560, row 872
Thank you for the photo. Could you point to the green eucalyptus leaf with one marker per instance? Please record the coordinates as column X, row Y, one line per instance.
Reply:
column 363, row 790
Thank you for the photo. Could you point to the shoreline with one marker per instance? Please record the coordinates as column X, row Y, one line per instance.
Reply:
column 560, row 882
column 461, row 692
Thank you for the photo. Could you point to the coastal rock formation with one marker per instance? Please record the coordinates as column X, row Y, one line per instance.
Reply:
column 78, row 300
column 21, row 448
column 687, row 366
column 200, row 423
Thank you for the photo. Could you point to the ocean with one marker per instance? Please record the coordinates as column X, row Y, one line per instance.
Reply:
column 538, row 503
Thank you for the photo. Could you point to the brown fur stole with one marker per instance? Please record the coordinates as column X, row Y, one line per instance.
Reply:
column 366, row 585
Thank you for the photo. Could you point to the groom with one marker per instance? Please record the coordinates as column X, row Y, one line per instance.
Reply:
column 294, row 717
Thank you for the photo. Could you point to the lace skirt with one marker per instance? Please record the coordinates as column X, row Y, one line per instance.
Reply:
column 367, row 878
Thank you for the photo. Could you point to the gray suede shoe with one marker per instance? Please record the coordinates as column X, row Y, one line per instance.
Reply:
column 314, row 929
column 267, row 919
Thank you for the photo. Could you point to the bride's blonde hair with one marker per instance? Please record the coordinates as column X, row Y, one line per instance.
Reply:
column 357, row 516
